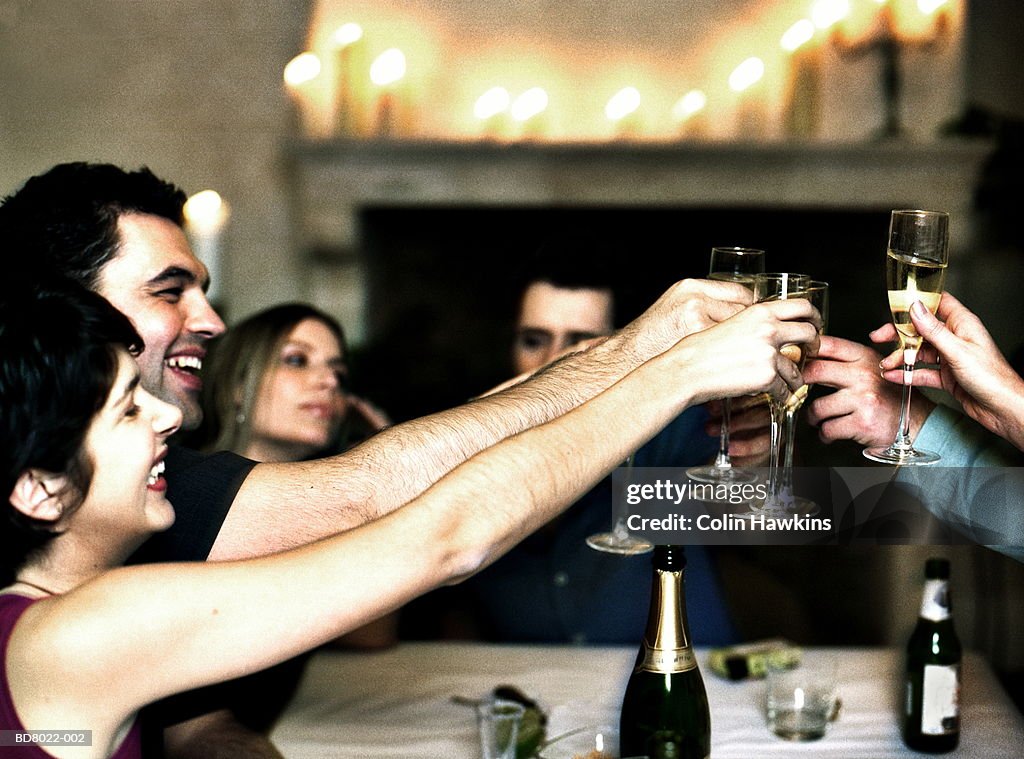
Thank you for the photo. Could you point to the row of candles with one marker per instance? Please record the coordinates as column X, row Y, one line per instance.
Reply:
column 373, row 98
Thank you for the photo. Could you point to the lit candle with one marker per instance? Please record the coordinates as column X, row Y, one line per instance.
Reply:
column 688, row 113
column 491, row 109
column 621, row 109
column 206, row 214
column 939, row 9
column 750, row 116
column 527, row 110
column 299, row 74
column 347, row 38
column 802, row 98
column 386, row 72
column 828, row 13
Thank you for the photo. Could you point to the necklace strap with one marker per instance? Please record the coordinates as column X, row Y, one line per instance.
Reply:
column 47, row 591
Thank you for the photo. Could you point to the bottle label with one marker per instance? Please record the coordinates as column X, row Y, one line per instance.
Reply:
column 940, row 710
column 667, row 661
column 935, row 600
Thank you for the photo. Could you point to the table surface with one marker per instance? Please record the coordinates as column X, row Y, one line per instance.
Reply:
column 398, row 703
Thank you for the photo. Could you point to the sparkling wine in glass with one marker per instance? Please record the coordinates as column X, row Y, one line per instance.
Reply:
column 769, row 287
column 817, row 293
column 915, row 270
column 738, row 265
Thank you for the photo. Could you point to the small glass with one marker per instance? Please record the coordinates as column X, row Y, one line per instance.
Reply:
column 499, row 727
column 801, row 701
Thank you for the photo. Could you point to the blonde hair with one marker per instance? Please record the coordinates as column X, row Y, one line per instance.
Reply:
column 236, row 367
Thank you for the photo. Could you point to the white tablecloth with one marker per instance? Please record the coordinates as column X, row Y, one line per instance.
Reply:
column 397, row 704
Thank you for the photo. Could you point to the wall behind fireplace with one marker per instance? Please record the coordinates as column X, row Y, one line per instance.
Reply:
column 193, row 89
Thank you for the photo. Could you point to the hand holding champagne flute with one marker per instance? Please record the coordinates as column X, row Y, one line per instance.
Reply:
column 738, row 265
column 915, row 270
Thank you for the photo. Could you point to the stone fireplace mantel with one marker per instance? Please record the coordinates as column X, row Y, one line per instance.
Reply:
column 334, row 180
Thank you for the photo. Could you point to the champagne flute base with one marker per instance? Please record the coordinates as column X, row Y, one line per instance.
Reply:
column 624, row 545
column 901, row 456
column 721, row 475
column 786, row 506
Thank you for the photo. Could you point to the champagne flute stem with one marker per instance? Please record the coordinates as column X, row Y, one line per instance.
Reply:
column 902, row 441
column 786, row 486
column 773, row 458
column 722, row 460
column 619, row 529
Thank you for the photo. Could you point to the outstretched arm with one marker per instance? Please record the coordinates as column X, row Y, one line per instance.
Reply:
column 284, row 505
column 170, row 628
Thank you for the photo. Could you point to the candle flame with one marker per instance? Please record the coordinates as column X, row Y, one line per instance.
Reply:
column 206, row 211
column 622, row 103
column 927, row 7
column 827, row 13
column 690, row 103
column 746, row 74
column 388, row 67
column 301, row 69
column 529, row 104
column 346, row 34
column 491, row 103
column 797, row 35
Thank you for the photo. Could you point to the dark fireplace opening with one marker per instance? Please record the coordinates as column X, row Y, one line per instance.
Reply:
column 443, row 281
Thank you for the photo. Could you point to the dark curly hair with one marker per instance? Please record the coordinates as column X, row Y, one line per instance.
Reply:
column 58, row 362
column 64, row 222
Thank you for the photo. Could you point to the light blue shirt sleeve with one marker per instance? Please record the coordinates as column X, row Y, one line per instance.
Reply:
column 962, row 442
column 978, row 486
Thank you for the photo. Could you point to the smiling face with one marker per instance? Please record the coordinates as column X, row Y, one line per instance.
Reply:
column 126, row 444
column 300, row 403
column 553, row 319
column 158, row 283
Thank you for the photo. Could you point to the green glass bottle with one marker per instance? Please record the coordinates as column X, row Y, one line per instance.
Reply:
column 665, row 710
column 931, row 718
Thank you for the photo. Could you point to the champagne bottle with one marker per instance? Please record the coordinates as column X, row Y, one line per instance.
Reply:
column 932, row 701
column 665, row 709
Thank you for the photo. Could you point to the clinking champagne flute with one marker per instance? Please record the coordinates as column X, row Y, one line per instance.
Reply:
column 619, row 540
column 818, row 294
column 770, row 287
column 915, row 269
column 738, row 265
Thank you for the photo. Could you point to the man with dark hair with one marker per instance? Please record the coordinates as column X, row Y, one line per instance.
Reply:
column 566, row 298
column 83, row 234
column 552, row 587
column 120, row 234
